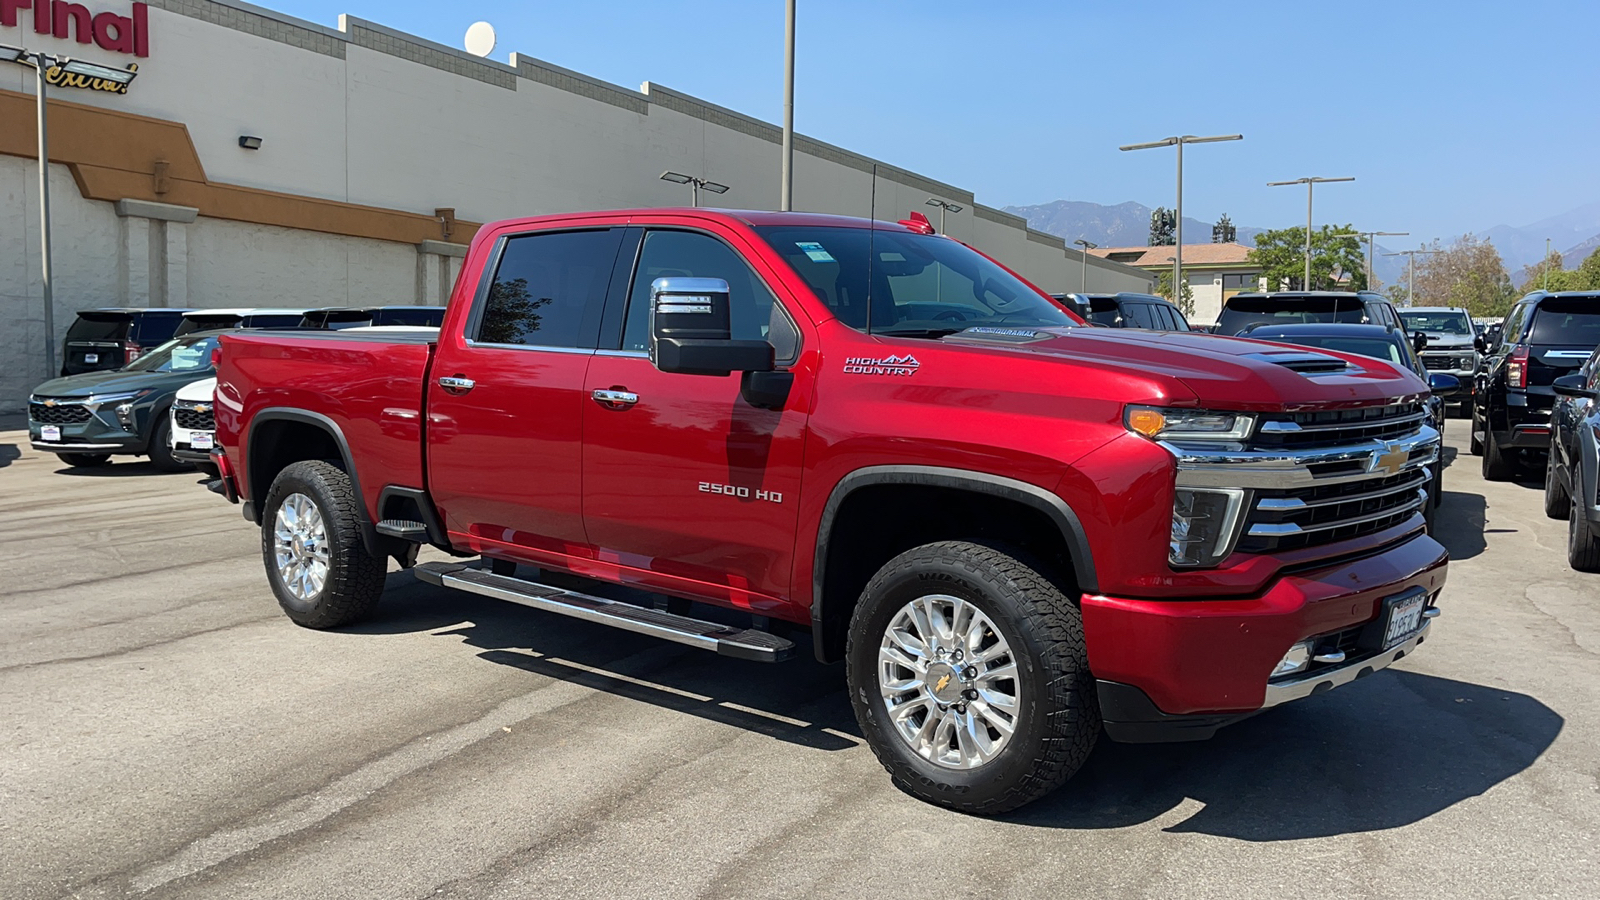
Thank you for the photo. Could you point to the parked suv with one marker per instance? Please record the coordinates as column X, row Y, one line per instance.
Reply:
column 193, row 424
column 341, row 317
column 211, row 319
column 1572, row 473
column 86, row 419
column 1126, row 310
column 1545, row 337
column 1452, row 337
column 105, row 339
column 1245, row 311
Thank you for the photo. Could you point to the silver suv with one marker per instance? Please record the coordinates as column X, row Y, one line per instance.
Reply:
column 1451, row 333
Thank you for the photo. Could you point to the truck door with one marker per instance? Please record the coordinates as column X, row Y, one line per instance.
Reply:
column 505, row 399
column 686, row 486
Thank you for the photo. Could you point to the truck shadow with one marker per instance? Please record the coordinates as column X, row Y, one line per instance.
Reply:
column 1384, row 752
column 9, row 454
column 1459, row 524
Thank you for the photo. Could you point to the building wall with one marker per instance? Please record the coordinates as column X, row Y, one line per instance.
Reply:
column 1207, row 288
column 366, row 115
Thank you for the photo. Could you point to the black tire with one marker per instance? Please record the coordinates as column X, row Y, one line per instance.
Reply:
column 1059, row 718
column 85, row 460
column 354, row 579
column 1475, row 445
column 1557, row 503
column 1495, row 465
column 1583, row 549
column 160, row 450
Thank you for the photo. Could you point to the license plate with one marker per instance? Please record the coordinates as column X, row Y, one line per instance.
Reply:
column 1405, row 617
column 91, row 358
column 200, row 440
column 49, row 432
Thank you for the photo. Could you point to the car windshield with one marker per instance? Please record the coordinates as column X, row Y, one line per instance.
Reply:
column 1246, row 312
column 1562, row 321
column 1442, row 322
column 1388, row 351
column 183, row 355
column 920, row 284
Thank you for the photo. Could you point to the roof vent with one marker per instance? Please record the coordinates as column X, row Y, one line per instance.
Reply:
column 1304, row 363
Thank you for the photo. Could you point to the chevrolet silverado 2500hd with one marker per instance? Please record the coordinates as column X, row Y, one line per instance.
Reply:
column 1018, row 533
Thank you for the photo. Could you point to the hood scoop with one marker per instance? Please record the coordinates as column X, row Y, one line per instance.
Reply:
column 1302, row 362
column 1003, row 334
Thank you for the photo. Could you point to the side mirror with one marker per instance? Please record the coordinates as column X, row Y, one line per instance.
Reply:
column 1572, row 386
column 691, row 332
column 1480, row 345
column 1443, row 386
column 1418, row 341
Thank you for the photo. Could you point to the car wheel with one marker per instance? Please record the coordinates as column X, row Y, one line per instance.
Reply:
column 319, row 569
column 1495, row 465
column 970, row 678
column 160, row 447
column 85, row 460
column 1583, row 549
column 1556, row 499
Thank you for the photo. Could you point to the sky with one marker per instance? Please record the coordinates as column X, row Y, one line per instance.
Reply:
column 1452, row 117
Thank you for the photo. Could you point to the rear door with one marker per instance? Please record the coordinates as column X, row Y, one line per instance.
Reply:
column 505, row 397
column 689, row 488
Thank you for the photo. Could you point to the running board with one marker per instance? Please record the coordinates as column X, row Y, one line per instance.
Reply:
column 750, row 644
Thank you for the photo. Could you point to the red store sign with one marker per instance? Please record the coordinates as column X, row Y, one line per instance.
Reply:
column 106, row 30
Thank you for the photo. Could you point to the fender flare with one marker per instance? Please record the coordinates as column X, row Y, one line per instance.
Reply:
column 252, row 510
column 1045, row 501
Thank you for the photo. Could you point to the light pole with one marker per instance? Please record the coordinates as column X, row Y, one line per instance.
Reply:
column 944, row 207
column 1411, row 272
column 1178, row 141
column 695, row 184
column 1083, row 280
column 1369, row 235
column 786, row 200
column 1309, row 183
column 1546, row 264
column 42, row 64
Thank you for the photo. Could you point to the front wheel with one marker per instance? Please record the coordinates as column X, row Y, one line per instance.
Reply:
column 85, row 460
column 319, row 569
column 161, row 447
column 970, row 678
column 1556, row 499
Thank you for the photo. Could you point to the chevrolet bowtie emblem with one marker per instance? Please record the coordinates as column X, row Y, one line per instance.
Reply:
column 50, row 403
column 943, row 680
column 1391, row 461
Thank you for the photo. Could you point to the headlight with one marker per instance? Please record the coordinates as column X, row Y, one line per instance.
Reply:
column 98, row 400
column 1203, row 525
column 1166, row 424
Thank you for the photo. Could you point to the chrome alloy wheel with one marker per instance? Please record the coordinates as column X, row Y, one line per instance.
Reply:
column 949, row 680
column 300, row 545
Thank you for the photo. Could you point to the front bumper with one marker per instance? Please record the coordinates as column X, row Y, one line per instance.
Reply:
column 1204, row 663
column 93, row 436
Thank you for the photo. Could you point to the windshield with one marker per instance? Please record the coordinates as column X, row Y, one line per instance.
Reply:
column 1388, row 351
column 1247, row 312
column 1443, row 322
column 1562, row 321
column 183, row 355
column 921, row 284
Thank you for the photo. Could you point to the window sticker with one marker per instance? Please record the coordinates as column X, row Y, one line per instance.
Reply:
column 815, row 251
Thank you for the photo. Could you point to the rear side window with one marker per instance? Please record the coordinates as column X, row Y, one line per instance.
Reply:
column 1140, row 315
column 100, row 327
column 1563, row 321
column 548, row 289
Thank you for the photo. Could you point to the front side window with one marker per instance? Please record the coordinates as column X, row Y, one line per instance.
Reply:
column 754, row 313
column 548, row 289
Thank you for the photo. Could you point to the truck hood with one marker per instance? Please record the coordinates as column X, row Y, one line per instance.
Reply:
column 91, row 383
column 1223, row 372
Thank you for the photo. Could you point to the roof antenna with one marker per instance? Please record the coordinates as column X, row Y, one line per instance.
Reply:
column 872, row 227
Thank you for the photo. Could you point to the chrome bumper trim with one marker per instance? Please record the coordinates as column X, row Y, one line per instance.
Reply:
column 1328, row 679
column 51, row 448
column 1288, row 468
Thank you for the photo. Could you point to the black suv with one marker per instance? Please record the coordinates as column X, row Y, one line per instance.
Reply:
column 1546, row 336
column 1572, row 475
column 341, row 317
column 1126, row 310
column 1242, row 312
column 105, row 339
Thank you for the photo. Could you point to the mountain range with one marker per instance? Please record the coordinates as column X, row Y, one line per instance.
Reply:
column 1575, row 232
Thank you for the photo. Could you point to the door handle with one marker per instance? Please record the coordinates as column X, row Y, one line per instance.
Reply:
column 455, row 384
column 615, row 399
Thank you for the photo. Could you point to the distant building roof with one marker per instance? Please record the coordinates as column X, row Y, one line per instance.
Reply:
column 1193, row 255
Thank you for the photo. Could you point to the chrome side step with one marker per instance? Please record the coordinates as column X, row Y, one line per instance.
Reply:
column 727, row 640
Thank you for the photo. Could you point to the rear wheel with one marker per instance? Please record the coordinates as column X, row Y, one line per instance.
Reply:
column 1556, row 499
column 970, row 678
column 1495, row 465
column 319, row 569
column 161, row 449
column 85, row 460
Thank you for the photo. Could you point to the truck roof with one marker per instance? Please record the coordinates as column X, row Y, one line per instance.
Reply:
column 750, row 217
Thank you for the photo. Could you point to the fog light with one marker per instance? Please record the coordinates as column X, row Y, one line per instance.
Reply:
column 1203, row 526
column 125, row 415
column 1296, row 660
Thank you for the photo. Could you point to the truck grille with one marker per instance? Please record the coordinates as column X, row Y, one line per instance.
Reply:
column 1332, row 428
column 1289, row 519
column 194, row 419
column 60, row 414
column 1447, row 360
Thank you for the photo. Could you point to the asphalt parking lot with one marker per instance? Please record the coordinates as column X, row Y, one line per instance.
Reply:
column 167, row 733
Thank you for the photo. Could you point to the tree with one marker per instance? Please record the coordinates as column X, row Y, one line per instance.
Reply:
column 1163, row 227
column 1185, row 301
column 1468, row 273
column 1223, row 232
column 1336, row 255
column 1586, row 277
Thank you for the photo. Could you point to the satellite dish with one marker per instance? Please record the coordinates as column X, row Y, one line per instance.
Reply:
column 480, row 39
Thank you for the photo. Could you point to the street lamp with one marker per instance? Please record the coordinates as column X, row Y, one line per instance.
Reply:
column 1083, row 279
column 944, row 207
column 1309, row 183
column 42, row 63
column 1369, row 235
column 696, row 184
column 1411, row 272
column 1179, row 141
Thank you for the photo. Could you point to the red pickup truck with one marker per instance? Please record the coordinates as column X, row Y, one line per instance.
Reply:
column 1016, row 532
